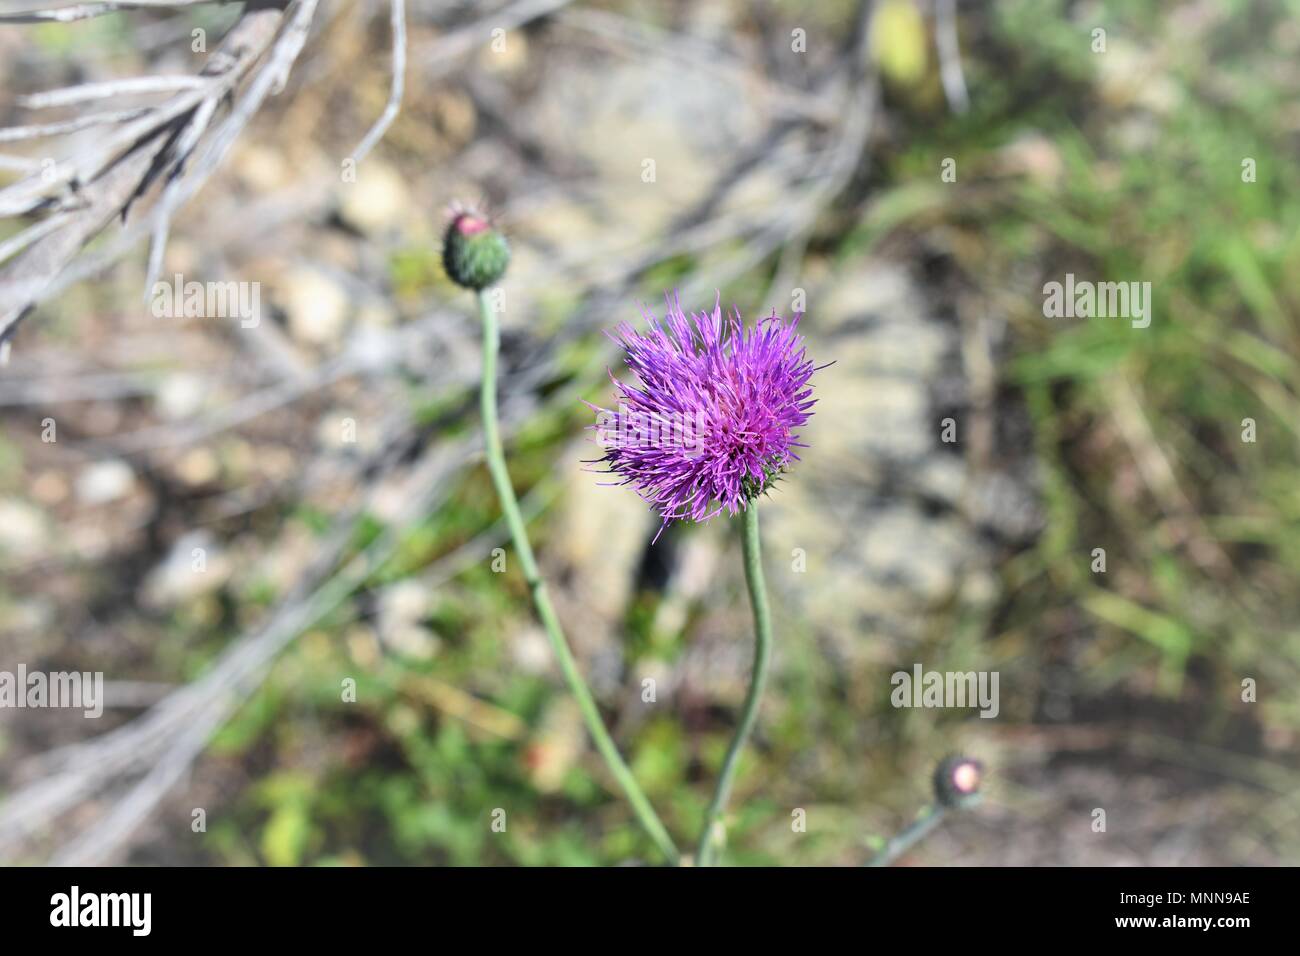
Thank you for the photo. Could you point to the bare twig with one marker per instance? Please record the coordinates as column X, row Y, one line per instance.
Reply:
column 442, row 55
column 185, row 144
column 399, row 83
column 102, row 183
column 16, row 244
column 21, row 164
column 88, row 92
column 270, row 80
column 70, row 126
column 85, row 11
column 694, row 54
column 950, row 71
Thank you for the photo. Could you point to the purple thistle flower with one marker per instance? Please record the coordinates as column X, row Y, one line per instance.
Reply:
column 711, row 423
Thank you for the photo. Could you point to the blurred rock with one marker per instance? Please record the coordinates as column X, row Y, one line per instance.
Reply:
column 104, row 481
column 1034, row 156
column 316, row 306
column 404, row 602
column 363, row 647
column 531, row 651
column 403, row 606
column 346, row 430
column 648, row 160
column 376, row 315
column 410, row 640
column 509, row 56
column 50, row 488
column 559, row 743
column 454, row 116
column 180, row 396
column 27, row 617
column 697, row 568
column 598, row 539
column 375, row 348
column 263, row 168
column 378, row 201
column 877, row 514
column 23, row 528
column 194, row 566
column 198, row 466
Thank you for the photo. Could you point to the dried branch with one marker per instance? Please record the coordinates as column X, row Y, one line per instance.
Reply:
column 87, row 92
column 69, row 126
column 442, row 55
column 399, row 83
column 950, row 71
column 85, row 11
column 11, row 247
column 147, row 145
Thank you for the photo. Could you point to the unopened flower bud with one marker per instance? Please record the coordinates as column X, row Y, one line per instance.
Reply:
column 474, row 253
column 957, row 781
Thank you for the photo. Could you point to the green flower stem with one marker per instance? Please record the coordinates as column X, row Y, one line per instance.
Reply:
column 496, row 463
column 910, row 837
column 714, row 833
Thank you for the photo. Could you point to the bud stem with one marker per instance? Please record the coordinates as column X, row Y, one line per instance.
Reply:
column 917, row 831
column 496, row 462
column 714, row 832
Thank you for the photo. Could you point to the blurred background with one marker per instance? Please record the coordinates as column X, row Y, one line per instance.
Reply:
column 235, row 521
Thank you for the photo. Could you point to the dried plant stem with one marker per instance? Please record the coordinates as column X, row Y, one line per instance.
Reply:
column 714, row 833
column 496, row 462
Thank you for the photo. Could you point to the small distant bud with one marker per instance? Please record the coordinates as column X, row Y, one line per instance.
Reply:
column 957, row 781
column 474, row 253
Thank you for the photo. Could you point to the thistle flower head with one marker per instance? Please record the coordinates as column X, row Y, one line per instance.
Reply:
column 474, row 252
column 957, row 781
column 710, row 423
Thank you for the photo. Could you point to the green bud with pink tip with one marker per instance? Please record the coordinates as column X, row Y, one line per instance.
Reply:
column 474, row 253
